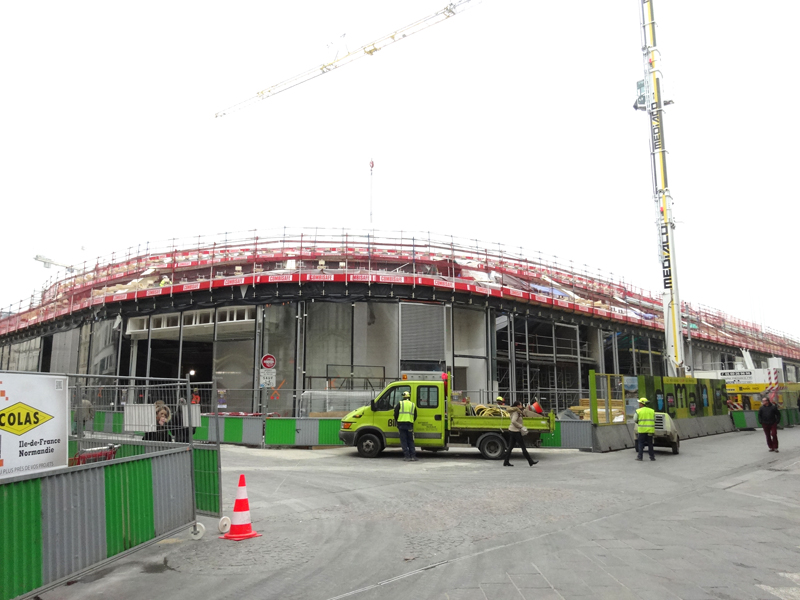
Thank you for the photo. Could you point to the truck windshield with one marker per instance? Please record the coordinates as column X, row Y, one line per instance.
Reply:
column 391, row 397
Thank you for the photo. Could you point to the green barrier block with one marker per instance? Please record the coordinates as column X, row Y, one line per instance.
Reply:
column 552, row 439
column 233, row 430
column 329, row 432
column 201, row 433
column 280, row 432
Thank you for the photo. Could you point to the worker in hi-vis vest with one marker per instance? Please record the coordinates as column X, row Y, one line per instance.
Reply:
column 645, row 419
column 405, row 413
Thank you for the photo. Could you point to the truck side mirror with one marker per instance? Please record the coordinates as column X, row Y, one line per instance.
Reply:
column 372, row 405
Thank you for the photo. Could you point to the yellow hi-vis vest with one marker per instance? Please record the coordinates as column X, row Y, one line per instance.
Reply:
column 406, row 414
column 647, row 420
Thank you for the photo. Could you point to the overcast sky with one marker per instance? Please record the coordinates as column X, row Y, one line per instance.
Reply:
column 511, row 122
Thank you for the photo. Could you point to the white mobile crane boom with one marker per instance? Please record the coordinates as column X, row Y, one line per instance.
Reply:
column 367, row 50
column 650, row 99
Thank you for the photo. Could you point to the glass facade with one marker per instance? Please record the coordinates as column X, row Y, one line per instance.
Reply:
column 328, row 344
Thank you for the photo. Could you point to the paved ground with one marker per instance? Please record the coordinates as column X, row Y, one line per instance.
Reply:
column 719, row 521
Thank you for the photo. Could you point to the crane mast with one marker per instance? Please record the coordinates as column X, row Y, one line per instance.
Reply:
column 650, row 100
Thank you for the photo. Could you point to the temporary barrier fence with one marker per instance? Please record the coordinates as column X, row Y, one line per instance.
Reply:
column 143, row 415
column 246, row 429
column 134, row 475
column 58, row 524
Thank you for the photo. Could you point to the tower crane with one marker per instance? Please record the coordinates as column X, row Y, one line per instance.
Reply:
column 651, row 100
column 445, row 13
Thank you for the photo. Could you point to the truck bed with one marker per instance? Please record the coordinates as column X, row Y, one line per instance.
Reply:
column 460, row 420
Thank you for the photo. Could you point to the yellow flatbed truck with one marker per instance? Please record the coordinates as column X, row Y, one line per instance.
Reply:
column 440, row 422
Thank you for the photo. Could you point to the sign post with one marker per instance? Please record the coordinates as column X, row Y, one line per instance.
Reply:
column 267, row 374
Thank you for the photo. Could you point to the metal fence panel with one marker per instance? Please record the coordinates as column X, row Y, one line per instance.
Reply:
column 207, row 480
column 306, row 432
column 280, row 432
column 73, row 522
column 576, row 434
column 129, row 505
column 216, row 425
column 252, row 431
column 172, row 492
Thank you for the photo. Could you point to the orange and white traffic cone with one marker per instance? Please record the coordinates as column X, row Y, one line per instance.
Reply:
column 240, row 522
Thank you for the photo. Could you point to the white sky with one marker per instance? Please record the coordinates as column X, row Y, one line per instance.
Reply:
column 511, row 122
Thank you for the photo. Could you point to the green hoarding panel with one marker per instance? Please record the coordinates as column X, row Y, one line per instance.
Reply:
column 553, row 439
column 119, row 422
column 130, row 519
column 99, row 420
column 738, row 419
column 20, row 538
column 206, row 478
column 329, row 432
column 201, row 433
column 280, row 432
column 233, row 430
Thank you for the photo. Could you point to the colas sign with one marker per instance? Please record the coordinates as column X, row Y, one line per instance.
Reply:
column 33, row 423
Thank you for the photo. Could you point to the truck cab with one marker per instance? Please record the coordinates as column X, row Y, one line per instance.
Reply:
column 373, row 428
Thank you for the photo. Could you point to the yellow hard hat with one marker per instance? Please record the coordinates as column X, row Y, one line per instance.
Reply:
column 500, row 399
column 406, row 395
column 643, row 401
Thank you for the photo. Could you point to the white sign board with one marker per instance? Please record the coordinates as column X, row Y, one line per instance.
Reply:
column 34, row 423
column 737, row 376
column 267, row 378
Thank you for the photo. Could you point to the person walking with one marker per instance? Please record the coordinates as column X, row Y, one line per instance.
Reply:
column 515, row 429
column 769, row 416
column 645, row 419
column 405, row 413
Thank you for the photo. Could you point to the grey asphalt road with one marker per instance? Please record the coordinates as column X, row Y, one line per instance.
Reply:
column 719, row 521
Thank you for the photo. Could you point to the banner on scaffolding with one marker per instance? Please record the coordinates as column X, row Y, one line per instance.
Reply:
column 34, row 421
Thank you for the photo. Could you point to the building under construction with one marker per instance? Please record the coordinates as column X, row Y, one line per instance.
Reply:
column 344, row 310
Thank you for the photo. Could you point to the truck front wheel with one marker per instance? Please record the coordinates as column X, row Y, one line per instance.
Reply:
column 492, row 446
column 369, row 446
column 676, row 445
